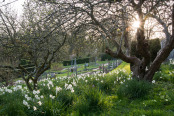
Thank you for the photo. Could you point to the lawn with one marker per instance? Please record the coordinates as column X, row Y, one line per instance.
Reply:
column 65, row 70
column 112, row 94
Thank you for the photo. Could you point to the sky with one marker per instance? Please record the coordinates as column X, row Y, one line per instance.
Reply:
column 14, row 4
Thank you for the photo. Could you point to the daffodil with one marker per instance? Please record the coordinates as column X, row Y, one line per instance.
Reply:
column 34, row 108
column 40, row 103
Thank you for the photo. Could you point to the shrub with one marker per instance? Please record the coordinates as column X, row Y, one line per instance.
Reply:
column 52, row 108
column 65, row 98
column 133, row 89
column 160, row 76
column 12, row 105
column 90, row 101
column 106, row 85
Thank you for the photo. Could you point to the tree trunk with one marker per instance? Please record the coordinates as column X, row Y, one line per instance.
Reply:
column 28, row 84
column 138, row 71
column 35, row 84
column 138, row 66
column 159, row 59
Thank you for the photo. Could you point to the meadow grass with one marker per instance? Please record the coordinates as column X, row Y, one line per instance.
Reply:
column 112, row 94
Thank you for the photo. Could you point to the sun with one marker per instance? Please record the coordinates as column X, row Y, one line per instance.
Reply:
column 136, row 24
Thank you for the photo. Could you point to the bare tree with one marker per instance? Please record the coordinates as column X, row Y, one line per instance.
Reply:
column 110, row 15
column 41, row 40
column 9, row 58
column 35, row 39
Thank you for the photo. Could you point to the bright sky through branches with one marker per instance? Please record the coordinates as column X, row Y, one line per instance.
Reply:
column 16, row 5
column 136, row 24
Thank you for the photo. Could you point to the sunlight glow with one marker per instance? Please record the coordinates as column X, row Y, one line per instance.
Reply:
column 136, row 24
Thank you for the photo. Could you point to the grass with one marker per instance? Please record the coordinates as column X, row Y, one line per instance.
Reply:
column 124, row 66
column 113, row 94
column 80, row 68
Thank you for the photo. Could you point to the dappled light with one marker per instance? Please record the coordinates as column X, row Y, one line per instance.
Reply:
column 86, row 57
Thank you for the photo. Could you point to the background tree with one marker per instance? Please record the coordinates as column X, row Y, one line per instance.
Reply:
column 43, row 39
column 9, row 45
column 101, row 13
column 35, row 38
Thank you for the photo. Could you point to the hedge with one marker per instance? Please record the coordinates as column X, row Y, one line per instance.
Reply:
column 106, row 57
column 155, row 46
column 78, row 61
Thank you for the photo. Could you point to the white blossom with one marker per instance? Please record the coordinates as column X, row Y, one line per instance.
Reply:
column 58, row 89
column 36, row 92
column 26, row 104
column 8, row 90
column 40, row 103
column 34, row 108
column 37, row 97
column 42, row 96
column 52, row 97
column 153, row 81
column 72, row 90
column 74, row 83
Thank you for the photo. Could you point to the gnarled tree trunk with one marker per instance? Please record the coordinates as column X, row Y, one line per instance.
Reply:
column 138, row 66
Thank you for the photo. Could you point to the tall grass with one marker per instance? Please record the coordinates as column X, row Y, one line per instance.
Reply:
column 134, row 89
column 112, row 94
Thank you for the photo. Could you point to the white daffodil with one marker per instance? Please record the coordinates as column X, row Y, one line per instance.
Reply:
column 40, row 103
column 34, row 108
column 8, row 90
column 37, row 97
column 58, row 89
column 25, row 103
column 52, row 97
column 42, row 96
column 153, row 81
column 72, row 90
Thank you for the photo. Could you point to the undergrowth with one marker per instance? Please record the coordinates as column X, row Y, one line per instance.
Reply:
column 113, row 94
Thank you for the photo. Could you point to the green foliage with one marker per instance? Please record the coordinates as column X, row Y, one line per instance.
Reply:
column 90, row 101
column 112, row 94
column 166, row 73
column 12, row 104
column 160, row 76
column 52, row 108
column 66, row 98
column 133, row 89
column 106, row 85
